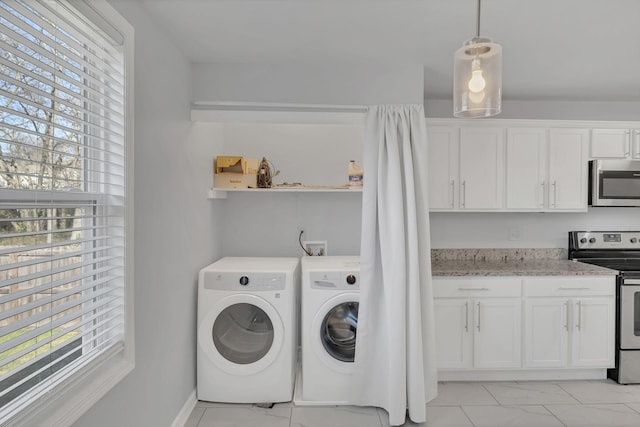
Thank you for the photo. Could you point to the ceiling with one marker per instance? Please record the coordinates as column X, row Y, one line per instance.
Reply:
column 552, row 49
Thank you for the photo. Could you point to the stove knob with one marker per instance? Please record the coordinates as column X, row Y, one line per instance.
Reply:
column 583, row 240
column 351, row 279
column 592, row 240
column 634, row 240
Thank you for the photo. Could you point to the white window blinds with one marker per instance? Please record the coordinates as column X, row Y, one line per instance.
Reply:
column 62, row 197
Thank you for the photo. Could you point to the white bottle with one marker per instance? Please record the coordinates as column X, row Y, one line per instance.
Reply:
column 355, row 174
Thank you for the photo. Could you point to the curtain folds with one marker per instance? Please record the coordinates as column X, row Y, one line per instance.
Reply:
column 395, row 362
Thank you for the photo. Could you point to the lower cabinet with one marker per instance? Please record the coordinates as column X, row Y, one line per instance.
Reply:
column 574, row 330
column 517, row 324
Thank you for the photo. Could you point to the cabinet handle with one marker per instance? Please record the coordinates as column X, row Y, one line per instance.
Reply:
column 451, row 194
column 562, row 288
column 566, row 315
column 478, row 317
column 554, row 184
column 473, row 289
column 542, row 194
column 579, row 324
column 464, row 194
column 636, row 154
column 466, row 316
column 627, row 145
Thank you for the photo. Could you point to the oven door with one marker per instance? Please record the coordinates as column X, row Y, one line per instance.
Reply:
column 630, row 314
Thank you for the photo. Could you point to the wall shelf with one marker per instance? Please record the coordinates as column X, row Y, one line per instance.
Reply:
column 221, row 193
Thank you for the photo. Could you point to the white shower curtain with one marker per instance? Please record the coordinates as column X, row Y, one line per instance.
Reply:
column 395, row 366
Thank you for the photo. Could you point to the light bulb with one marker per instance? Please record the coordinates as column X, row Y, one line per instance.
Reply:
column 477, row 82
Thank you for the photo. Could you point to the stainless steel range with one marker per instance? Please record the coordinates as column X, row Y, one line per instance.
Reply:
column 617, row 250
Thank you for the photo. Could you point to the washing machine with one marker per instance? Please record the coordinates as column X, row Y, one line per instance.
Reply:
column 329, row 312
column 247, row 330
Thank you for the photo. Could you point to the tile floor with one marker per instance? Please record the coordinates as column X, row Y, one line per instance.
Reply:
column 459, row 404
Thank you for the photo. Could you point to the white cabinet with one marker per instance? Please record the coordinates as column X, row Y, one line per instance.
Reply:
column 443, row 147
column 466, row 168
column 478, row 323
column 526, row 168
column 569, row 322
column 568, row 169
column 481, row 167
column 615, row 144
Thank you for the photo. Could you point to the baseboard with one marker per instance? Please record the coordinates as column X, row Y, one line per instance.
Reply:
column 185, row 411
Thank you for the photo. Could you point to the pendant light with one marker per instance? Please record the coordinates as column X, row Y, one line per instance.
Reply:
column 477, row 77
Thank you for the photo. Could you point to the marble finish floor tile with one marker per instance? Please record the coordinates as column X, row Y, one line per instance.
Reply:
column 245, row 417
column 601, row 391
column 609, row 415
column 511, row 416
column 437, row 416
column 461, row 393
column 528, row 393
column 335, row 416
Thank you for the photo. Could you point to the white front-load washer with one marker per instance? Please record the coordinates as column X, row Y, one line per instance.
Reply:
column 247, row 330
column 329, row 312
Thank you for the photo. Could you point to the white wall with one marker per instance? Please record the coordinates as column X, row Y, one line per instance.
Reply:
column 321, row 83
column 176, row 233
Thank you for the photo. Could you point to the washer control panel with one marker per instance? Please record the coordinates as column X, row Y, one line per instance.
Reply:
column 237, row 281
column 335, row 280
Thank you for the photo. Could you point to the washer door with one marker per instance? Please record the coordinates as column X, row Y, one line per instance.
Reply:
column 242, row 334
column 336, row 324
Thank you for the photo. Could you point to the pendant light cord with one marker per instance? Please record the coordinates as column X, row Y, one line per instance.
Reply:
column 478, row 21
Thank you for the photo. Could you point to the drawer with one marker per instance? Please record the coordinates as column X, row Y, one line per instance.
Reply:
column 570, row 286
column 457, row 287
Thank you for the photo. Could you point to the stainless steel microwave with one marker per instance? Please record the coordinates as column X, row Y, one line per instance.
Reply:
column 614, row 183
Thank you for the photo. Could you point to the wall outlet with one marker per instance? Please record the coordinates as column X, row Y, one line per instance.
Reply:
column 315, row 248
column 515, row 234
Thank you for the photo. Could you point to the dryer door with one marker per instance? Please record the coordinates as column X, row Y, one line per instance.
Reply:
column 241, row 334
column 336, row 323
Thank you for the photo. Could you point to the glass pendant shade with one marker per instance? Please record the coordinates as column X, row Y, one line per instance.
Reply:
column 477, row 79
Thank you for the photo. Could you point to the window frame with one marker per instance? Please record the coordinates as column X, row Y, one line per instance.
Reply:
column 71, row 398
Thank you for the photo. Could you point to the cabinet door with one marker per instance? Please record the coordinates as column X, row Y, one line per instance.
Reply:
column 635, row 150
column 481, row 168
column 568, row 169
column 546, row 332
column 610, row 143
column 453, row 333
column 443, row 167
column 593, row 339
column 525, row 168
column 497, row 333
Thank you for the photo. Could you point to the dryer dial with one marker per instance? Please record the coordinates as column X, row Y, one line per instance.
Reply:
column 244, row 280
column 351, row 279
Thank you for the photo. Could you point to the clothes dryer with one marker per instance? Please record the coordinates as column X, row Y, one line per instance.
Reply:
column 329, row 312
column 247, row 330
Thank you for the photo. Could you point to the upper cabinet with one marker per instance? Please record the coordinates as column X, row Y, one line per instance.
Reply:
column 481, row 168
column 615, row 144
column 507, row 168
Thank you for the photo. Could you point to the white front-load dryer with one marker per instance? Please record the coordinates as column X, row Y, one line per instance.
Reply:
column 247, row 330
column 329, row 312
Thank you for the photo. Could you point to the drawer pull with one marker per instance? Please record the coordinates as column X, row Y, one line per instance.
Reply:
column 573, row 289
column 473, row 289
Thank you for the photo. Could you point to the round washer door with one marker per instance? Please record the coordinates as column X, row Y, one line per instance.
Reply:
column 242, row 334
column 335, row 327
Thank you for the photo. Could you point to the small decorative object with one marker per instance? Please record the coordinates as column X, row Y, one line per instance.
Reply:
column 266, row 172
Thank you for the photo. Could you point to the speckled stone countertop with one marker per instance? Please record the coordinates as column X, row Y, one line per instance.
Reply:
column 510, row 262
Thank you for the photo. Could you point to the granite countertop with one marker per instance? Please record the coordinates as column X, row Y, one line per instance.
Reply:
column 510, row 262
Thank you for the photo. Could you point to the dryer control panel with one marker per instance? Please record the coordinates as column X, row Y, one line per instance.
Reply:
column 335, row 280
column 236, row 281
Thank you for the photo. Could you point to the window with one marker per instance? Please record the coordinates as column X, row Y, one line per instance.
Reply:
column 63, row 198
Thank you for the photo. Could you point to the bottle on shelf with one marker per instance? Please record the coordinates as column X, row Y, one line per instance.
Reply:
column 355, row 174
